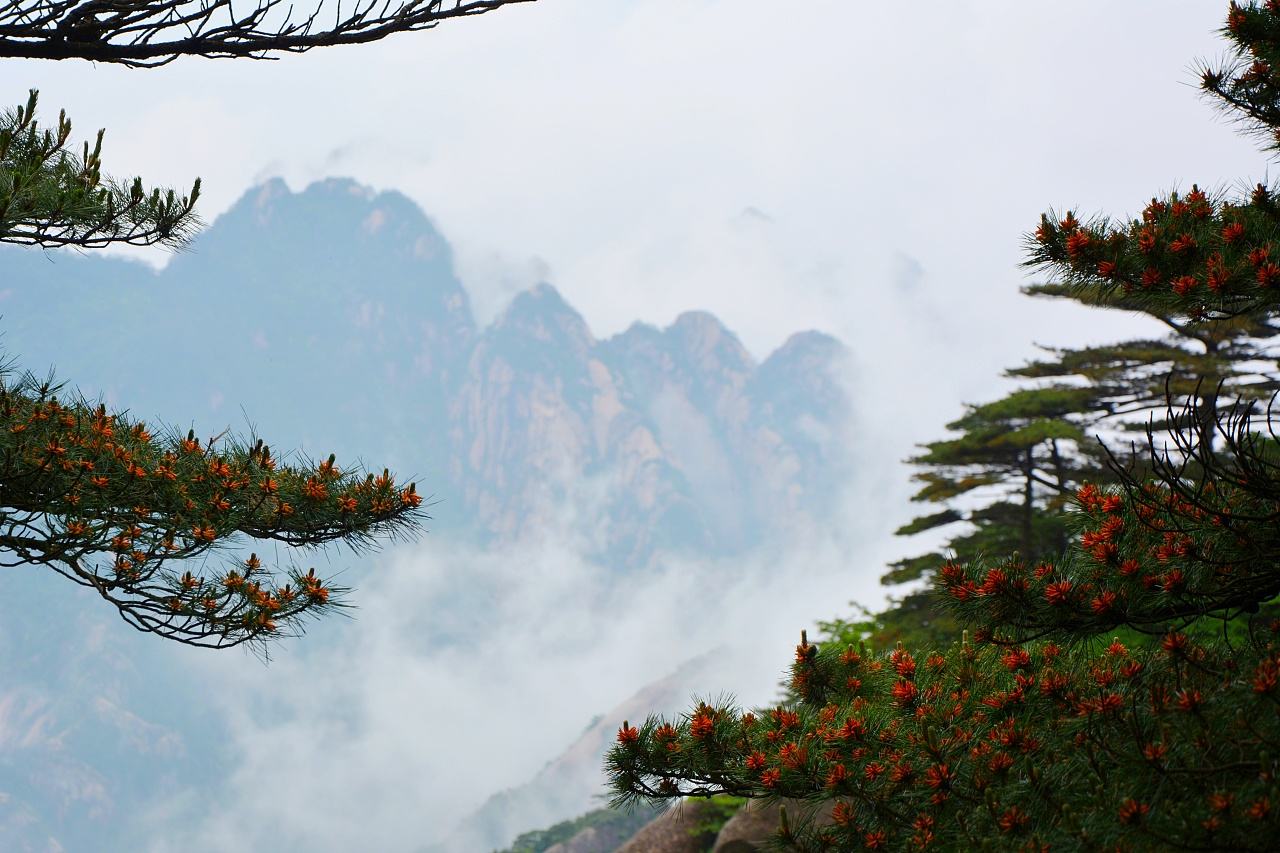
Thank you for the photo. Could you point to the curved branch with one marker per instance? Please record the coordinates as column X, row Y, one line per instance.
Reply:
column 148, row 34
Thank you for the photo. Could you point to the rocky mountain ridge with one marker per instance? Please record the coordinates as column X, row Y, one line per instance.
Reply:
column 333, row 319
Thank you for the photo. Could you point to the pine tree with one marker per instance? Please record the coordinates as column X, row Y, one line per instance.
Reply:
column 99, row 497
column 1018, row 456
column 1041, row 728
column 1008, row 475
column 1006, row 478
column 1023, row 448
column 1218, row 359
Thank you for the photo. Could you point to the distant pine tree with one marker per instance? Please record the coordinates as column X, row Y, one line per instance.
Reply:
column 1008, row 476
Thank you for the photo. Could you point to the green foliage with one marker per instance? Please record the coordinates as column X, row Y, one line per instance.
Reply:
column 1244, row 83
column 715, row 813
column 620, row 823
column 912, row 568
column 1011, row 464
column 1049, row 406
column 939, row 487
column 49, row 196
column 1220, row 358
column 1038, row 443
column 929, row 522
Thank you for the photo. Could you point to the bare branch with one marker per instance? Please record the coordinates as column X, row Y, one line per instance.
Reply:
column 155, row 32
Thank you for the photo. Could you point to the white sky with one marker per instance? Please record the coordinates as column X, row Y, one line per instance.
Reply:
column 864, row 169
column 613, row 146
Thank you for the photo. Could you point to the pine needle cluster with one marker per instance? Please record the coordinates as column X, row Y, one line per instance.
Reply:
column 50, row 196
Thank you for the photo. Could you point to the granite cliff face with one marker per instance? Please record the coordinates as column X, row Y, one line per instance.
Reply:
column 333, row 317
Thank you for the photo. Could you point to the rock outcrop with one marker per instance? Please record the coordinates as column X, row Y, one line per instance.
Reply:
column 748, row 831
column 593, row 839
column 674, row 831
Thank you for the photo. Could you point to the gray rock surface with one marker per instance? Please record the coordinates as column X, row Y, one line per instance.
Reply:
column 593, row 839
column 748, row 830
column 751, row 828
column 671, row 832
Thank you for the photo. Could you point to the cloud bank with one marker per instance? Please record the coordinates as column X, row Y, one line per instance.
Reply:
column 464, row 672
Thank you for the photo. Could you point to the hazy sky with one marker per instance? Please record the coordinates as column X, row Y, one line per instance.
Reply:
column 865, row 169
column 824, row 164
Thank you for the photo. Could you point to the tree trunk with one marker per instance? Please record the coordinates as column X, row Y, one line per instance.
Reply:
column 1062, row 487
column 1207, row 408
column 1028, row 507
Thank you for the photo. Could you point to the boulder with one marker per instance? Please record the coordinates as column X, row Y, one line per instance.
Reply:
column 593, row 839
column 750, row 829
column 674, row 831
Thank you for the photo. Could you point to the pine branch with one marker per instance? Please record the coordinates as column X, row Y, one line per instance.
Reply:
column 49, row 196
column 97, row 498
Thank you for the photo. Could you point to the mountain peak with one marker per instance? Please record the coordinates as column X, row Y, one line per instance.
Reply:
column 702, row 336
column 811, row 343
column 697, row 320
column 265, row 192
column 543, row 314
column 540, row 301
column 329, row 209
column 345, row 186
column 544, row 295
